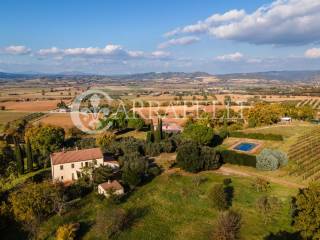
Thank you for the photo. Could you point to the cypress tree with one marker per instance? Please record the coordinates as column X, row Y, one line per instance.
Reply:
column 29, row 156
column 157, row 135
column 18, row 157
column 160, row 129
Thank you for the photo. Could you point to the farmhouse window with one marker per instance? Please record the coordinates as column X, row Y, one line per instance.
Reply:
column 61, row 167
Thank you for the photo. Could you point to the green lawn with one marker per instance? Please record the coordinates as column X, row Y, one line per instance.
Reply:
column 173, row 207
column 136, row 134
column 290, row 130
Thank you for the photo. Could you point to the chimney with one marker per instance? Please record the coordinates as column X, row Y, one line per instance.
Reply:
column 109, row 181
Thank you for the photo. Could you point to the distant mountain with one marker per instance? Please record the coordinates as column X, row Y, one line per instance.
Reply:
column 155, row 75
column 288, row 76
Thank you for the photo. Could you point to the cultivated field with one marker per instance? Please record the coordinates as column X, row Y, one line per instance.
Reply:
column 31, row 106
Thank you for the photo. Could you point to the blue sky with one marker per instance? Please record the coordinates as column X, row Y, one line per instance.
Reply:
column 118, row 36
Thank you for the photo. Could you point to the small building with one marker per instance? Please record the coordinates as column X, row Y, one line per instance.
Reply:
column 66, row 166
column 286, row 120
column 109, row 187
column 171, row 128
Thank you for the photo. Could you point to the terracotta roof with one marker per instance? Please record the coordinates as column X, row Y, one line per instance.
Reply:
column 115, row 185
column 76, row 156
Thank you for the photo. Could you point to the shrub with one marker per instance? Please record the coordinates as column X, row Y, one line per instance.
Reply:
column 153, row 149
column 227, row 181
column 219, row 197
column 268, row 207
column 67, row 231
column 110, row 222
column 233, row 157
column 200, row 134
column 259, row 136
column 210, row 158
column 154, row 171
column 188, row 157
column 228, row 226
column 167, row 146
column 270, row 160
column 194, row 158
column 261, row 185
column 198, row 180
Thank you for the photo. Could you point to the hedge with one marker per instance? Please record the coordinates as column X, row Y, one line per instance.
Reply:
column 233, row 157
column 260, row 136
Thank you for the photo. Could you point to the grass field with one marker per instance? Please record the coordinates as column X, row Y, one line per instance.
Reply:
column 7, row 116
column 172, row 206
column 290, row 130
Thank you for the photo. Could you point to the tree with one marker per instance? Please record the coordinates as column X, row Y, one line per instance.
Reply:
column 135, row 123
column 32, row 204
column 19, row 158
column 29, row 156
column 194, row 158
column 261, row 185
column 105, row 138
column 6, row 157
column 45, row 139
column 268, row 207
column 134, row 169
column 101, row 174
column 110, row 222
column 200, row 134
column 228, row 226
column 158, row 133
column 188, row 157
column 306, row 217
column 210, row 158
column 67, row 231
column 270, row 160
column 219, row 197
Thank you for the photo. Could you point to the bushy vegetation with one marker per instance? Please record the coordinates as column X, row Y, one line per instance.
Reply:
column 197, row 133
column 228, row 226
column 194, row 158
column 234, row 157
column 306, row 212
column 260, row 136
column 266, row 114
column 270, row 160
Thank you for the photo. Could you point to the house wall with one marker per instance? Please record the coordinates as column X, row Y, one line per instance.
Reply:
column 68, row 173
column 104, row 192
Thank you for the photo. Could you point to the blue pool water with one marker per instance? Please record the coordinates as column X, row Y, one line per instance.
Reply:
column 246, row 147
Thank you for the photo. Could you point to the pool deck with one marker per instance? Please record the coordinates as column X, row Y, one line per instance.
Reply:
column 255, row 150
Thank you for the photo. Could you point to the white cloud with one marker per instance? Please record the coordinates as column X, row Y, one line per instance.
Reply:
column 312, row 53
column 160, row 54
column 49, row 51
column 237, row 56
column 281, row 22
column 204, row 26
column 17, row 50
column 179, row 41
column 108, row 53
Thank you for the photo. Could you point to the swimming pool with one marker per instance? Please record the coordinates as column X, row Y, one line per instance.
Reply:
column 245, row 147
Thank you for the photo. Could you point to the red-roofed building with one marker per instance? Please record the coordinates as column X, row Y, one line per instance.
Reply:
column 67, row 165
column 109, row 187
